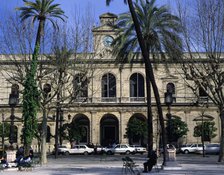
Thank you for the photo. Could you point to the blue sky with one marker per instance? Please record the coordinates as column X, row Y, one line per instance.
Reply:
column 97, row 7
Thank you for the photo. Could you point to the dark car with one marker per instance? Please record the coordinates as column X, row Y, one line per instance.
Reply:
column 213, row 148
column 210, row 148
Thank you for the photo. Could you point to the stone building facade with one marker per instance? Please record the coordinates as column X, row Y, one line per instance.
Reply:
column 116, row 94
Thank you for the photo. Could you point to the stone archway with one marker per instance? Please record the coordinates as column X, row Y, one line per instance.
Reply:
column 135, row 138
column 205, row 126
column 109, row 130
column 82, row 120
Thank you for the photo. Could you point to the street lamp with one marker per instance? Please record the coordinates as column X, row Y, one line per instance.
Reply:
column 169, row 102
column 61, row 124
column 3, row 134
column 13, row 101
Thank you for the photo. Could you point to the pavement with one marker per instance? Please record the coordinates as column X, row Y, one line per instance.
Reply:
column 112, row 165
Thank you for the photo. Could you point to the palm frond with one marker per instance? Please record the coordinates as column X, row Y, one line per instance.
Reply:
column 160, row 29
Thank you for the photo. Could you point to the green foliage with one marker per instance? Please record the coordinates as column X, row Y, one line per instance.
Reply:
column 160, row 31
column 41, row 10
column 6, row 129
column 137, row 128
column 30, row 102
column 176, row 129
column 207, row 129
column 73, row 131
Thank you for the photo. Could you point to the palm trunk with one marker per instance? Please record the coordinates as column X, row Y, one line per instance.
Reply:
column 145, row 54
column 43, row 155
column 149, row 112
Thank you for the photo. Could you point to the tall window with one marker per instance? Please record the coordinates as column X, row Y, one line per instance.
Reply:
column 203, row 96
column 137, row 90
column 108, row 85
column 80, row 85
column 170, row 87
column 202, row 92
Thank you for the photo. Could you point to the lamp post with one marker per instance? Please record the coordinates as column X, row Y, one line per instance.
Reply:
column 3, row 134
column 13, row 101
column 168, row 102
column 61, row 123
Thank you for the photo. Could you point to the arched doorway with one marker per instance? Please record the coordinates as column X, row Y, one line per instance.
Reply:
column 81, row 125
column 109, row 130
column 205, row 127
column 137, row 130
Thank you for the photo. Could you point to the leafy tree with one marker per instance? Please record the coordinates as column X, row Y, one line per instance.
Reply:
column 40, row 10
column 176, row 129
column 73, row 131
column 154, row 31
column 136, row 128
column 205, row 130
column 30, row 105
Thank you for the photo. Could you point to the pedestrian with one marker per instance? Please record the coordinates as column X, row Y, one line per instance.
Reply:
column 150, row 162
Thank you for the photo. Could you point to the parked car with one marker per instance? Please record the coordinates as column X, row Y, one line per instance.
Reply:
column 190, row 148
column 120, row 149
column 210, row 148
column 139, row 149
column 99, row 149
column 61, row 150
column 80, row 149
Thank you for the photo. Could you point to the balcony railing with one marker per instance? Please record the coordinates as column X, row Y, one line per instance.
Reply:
column 179, row 100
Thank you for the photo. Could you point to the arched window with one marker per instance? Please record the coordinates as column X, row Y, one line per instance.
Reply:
column 80, row 86
column 108, row 85
column 170, row 88
column 137, row 90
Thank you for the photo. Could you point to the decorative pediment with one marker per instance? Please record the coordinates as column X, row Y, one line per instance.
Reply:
column 170, row 77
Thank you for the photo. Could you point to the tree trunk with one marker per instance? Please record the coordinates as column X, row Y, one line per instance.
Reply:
column 56, row 126
column 145, row 54
column 220, row 159
column 43, row 138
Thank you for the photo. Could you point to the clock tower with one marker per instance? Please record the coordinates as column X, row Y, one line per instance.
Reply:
column 104, row 34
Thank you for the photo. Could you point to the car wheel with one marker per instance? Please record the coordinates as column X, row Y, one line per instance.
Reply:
column 85, row 153
column 66, row 153
column 109, row 152
column 134, row 152
column 186, row 151
column 127, row 152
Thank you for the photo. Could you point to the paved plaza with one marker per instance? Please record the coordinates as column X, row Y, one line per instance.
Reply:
column 112, row 165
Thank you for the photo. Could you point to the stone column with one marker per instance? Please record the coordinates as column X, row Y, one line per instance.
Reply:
column 94, row 134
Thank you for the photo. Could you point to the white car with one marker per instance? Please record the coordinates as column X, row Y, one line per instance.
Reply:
column 80, row 149
column 61, row 149
column 120, row 149
column 139, row 149
column 190, row 148
column 210, row 148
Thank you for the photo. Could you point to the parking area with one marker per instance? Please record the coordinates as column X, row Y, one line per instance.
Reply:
column 191, row 164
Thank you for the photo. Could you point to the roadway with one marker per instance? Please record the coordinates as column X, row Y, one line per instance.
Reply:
column 190, row 164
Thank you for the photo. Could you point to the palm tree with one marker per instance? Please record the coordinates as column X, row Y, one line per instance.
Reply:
column 157, row 33
column 40, row 10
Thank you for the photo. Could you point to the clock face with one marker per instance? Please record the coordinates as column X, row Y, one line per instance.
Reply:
column 107, row 40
